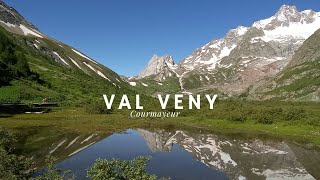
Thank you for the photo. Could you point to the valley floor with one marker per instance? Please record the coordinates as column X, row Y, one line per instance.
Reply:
column 76, row 120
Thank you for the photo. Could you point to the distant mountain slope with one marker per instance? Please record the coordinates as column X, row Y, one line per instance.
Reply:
column 34, row 66
column 300, row 80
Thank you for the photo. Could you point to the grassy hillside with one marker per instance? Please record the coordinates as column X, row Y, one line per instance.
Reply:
column 30, row 74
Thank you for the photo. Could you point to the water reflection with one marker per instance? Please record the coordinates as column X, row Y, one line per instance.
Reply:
column 240, row 159
column 61, row 146
column 191, row 155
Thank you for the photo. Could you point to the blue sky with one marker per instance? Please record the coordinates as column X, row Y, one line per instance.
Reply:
column 124, row 34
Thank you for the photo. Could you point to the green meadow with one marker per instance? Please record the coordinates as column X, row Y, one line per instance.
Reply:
column 288, row 120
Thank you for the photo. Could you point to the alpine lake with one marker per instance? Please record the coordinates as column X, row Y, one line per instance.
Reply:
column 177, row 153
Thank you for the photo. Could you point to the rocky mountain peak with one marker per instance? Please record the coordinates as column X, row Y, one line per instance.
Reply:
column 286, row 11
column 157, row 65
column 290, row 14
column 287, row 16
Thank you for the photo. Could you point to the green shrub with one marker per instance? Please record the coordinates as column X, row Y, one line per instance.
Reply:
column 13, row 62
column 269, row 115
column 12, row 166
column 265, row 119
column 238, row 117
column 53, row 173
column 294, row 114
column 120, row 169
column 97, row 107
column 237, row 111
column 312, row 121
column 6, row 140
column 277, row 111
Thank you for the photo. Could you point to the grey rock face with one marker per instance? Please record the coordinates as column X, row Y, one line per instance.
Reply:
column 10, row 15
column 162, row 67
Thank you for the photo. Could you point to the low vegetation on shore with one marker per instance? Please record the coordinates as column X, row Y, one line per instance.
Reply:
column 282, row 119
column 17, row 167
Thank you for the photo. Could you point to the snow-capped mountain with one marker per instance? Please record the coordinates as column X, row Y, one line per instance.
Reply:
column 247, row 55
column 162, row 67
column 288, row 25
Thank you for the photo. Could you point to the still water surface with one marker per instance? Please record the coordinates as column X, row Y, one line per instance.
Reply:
column 191, row 155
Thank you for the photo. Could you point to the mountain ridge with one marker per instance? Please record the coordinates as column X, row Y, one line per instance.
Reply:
column 247, row 55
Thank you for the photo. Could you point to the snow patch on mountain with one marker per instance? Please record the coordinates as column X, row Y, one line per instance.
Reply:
column 145, row 85
column 102, row 75
column 209, row 55
column 61, row 59
column 84, row 56
column 132, row 83
column 36, row 46
column 75, row 63
column 8, row 24
column 296, row 30
column 226, row 51
column 27, row 31
column 97, row 71
column 241, row 30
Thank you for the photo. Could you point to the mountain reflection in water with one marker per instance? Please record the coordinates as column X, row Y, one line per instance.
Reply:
column 240, row 159
column 193, row 155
